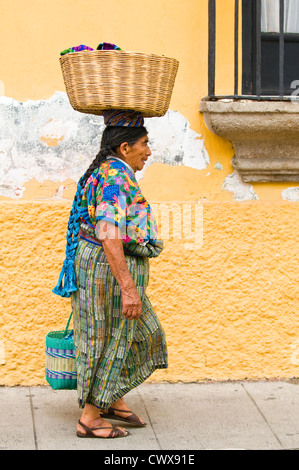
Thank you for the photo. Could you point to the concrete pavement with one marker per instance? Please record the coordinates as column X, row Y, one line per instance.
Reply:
column 262, row 415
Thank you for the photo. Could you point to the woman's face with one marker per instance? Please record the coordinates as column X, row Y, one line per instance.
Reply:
column 137, row 154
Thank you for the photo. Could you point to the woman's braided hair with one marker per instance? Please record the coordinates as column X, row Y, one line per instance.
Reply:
column 112, row 138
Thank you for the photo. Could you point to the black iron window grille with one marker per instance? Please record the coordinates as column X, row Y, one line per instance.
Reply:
column 270, row 65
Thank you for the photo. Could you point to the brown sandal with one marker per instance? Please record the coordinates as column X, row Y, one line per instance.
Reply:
column 115, row 432
column 132, row 419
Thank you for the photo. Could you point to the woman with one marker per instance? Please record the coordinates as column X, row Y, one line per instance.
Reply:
column 112, row 233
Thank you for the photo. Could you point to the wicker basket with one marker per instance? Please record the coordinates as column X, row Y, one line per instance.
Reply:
column 61, row 373
column 99, row 80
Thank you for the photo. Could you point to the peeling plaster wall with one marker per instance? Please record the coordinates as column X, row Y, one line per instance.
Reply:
column 48, row 140
column 242, row 191
column 291, row 194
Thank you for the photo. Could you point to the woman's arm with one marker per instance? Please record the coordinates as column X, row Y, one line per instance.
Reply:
column 112, row 244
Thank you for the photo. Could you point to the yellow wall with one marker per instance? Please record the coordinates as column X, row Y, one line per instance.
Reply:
column 229, row 307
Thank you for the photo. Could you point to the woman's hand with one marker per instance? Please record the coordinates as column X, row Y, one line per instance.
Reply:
column 132, row 307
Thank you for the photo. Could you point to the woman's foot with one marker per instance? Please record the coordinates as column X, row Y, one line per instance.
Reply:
column 91, row 424
column 120, row 410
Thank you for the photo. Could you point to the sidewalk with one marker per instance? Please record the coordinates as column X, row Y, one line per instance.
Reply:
column 211, row 416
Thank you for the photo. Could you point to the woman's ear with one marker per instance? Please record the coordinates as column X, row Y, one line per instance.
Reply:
column 123, row 148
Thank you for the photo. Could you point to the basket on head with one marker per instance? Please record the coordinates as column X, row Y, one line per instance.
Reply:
column 61, row 373
column 99, row 80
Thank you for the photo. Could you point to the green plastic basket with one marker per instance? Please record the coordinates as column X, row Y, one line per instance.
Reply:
column 61, row 373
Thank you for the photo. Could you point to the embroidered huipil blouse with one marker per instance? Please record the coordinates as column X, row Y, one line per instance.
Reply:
column 112, row 193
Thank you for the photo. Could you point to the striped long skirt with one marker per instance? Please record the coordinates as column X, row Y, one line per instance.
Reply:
column 113, row 354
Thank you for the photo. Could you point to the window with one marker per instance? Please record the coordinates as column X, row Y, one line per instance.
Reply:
column 270, row 47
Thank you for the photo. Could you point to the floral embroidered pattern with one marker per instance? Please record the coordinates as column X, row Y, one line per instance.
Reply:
column 112, row 193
